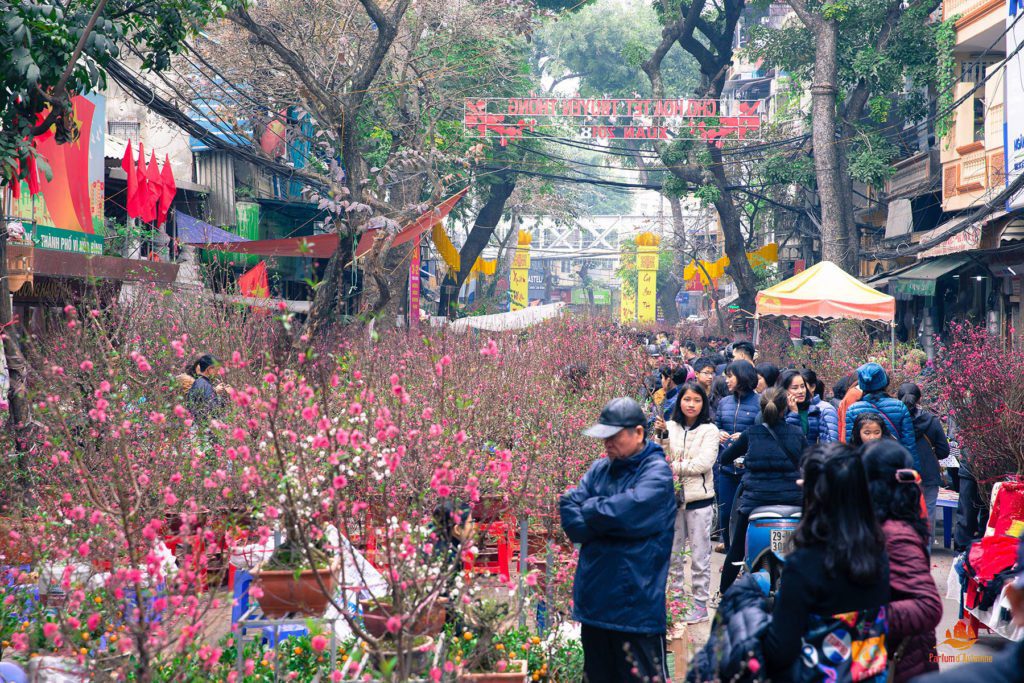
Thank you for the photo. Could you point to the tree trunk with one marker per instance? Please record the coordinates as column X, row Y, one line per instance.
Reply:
column 732, row 231
column 483, row 228
column 19, row 407
column 837, row 232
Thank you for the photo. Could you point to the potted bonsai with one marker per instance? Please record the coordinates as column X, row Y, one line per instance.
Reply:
column 487, row 661
column 290, row 583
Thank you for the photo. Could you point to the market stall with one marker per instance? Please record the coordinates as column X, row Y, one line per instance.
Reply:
column 826, row 292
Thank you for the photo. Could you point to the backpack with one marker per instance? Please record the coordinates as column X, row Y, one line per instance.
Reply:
column 846, row 648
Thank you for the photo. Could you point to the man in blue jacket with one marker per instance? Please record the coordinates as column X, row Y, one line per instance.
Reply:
column 622, row 514
column 873, row 380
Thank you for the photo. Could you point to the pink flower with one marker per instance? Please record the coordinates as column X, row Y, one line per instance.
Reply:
column 93, row 622
column 394, row 623
column 83, row 549
column 435, row 674
column 318, row 643
column 50, row 630
column 86, row 365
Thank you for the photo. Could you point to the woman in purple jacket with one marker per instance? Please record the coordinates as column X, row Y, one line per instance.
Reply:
column 915, row 608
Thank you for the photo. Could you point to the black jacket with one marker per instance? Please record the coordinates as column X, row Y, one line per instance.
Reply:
column 932, row 446
column 772, row 465
column 1006, row 667
column 735, row 637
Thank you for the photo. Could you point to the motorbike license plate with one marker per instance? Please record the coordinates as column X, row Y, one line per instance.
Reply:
column 779, row 539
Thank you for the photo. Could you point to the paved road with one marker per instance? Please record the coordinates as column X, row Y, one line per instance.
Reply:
column 941, row 561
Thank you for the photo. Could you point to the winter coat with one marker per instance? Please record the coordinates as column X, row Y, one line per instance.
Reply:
column 915, row 608
column 853, row 394
column 817, row 425
column 202, row 400
column 895, row 415
column 737, row 415
column 692, row 454
column 771, row 465
column 623, row 514
column 932, row 446
column 830, row 416
column 735, row 637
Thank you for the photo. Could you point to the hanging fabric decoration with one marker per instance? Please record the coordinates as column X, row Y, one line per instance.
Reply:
column 445, row 248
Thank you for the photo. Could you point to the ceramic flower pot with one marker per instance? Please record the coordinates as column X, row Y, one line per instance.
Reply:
column 376, row 614
column 284, row 593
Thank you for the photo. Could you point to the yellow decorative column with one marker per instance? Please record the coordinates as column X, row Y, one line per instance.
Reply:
column 647, row 276
column 627, row 300
column 519, row 281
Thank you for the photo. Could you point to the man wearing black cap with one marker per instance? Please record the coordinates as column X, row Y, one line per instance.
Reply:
column 1008, row 665
column 623, row 514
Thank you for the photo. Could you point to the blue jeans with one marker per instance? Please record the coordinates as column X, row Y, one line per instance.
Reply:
column 931, row 498
column 726, row 484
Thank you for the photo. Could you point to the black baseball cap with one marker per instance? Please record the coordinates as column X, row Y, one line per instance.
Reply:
column 617, row 414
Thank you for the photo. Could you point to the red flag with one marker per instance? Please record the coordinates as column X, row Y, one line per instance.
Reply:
column 254, row 283
column 146, row 208
column 131, row 197
column 167, row 190
column 153, row 178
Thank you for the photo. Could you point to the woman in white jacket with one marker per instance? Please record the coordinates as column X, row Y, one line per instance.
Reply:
column 691, row 442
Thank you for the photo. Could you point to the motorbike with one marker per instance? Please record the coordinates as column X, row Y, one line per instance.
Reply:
column 768, row 533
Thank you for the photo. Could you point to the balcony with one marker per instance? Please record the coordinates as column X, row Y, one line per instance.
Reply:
column 974, row 175
column 980, row 23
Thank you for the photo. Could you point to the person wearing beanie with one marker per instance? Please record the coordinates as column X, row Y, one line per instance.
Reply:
column 873, row 381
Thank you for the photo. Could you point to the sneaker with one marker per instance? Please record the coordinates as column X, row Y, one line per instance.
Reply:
column 715, row 600
column 697, row 614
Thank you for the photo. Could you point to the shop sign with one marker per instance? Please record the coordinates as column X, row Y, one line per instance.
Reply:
column 913, row 287
column 966, row 240
column 1013, row 101
column 610, row 119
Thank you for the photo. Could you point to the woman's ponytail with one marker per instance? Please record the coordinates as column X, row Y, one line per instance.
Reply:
column 773, row 406
column 910, row 394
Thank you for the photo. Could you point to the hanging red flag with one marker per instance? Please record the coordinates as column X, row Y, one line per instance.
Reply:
column 153, row 178
column 254, row 283
column 167, row 190
column 131, row 196
column 146, row 208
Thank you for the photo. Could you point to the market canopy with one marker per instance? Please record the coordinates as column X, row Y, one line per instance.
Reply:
column 826, row 292
column 513, row 320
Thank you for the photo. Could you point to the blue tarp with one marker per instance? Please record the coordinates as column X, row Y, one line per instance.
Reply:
column 194, row 231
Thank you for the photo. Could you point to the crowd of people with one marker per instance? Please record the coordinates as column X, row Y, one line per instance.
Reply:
column 722, row 435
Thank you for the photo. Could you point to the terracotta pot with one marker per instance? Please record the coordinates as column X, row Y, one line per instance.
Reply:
column 377, row 613
column 283, row 593
column 416, row 659
column 515, row 673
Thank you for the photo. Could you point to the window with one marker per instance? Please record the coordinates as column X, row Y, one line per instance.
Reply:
column 128, row 130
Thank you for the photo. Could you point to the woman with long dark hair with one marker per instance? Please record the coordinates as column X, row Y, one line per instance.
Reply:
column 203, row 399
column 771, row 453
column 736, row 412
column 767, row 376
column 829, row 414
column 835, row 579
column 692, row 448
column 915, row 608
column 932, row 444
column 802, row 412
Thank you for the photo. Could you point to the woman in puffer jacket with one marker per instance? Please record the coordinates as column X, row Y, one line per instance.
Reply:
column 692, row 448
column 915, row 608
column 736, row 413
column 802, row 413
